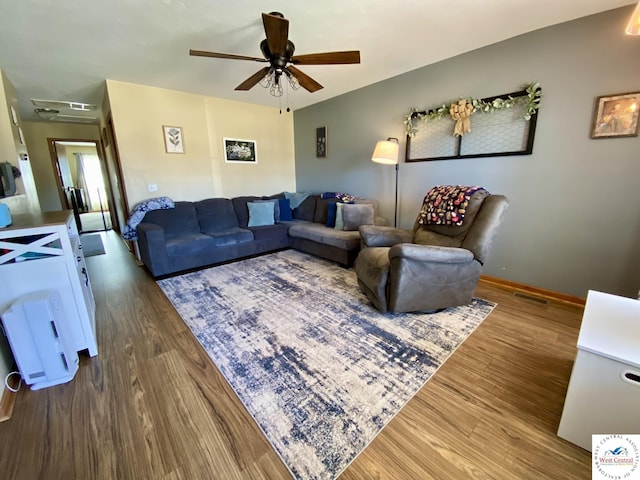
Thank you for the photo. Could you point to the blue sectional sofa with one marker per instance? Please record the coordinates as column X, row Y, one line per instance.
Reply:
column 197, row 234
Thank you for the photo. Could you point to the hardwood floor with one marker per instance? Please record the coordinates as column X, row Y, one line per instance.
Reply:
column 152, row 405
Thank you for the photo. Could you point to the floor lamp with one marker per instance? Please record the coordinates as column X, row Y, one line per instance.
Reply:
column 386, row 152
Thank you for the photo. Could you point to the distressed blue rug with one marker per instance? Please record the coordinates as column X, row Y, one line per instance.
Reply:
column 319, row 369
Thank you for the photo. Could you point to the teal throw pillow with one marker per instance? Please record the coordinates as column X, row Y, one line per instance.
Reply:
column 339, row 216
column 276, row 207
column 261, row 214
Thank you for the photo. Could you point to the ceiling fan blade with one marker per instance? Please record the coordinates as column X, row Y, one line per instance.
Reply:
column 253, row 80
column 230, row 56
column 327, row 58
column 304, row 80
column 277, row 31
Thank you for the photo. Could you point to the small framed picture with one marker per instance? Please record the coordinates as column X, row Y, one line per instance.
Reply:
column 616, row 116
column 173, row 139
column 238, row 150
column 321, row 142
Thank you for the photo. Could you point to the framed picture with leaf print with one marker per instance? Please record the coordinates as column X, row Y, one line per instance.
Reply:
column 173, row 139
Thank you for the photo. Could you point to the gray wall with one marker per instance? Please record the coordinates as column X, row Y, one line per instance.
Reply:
column 574, row 223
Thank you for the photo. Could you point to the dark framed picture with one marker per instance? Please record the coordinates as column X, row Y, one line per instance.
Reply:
column 616, row 116
column 238, row 150
column 321, row 142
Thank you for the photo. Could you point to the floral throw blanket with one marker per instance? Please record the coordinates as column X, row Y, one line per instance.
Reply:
column 342, row 197
column 446, row 204
column 138, row 212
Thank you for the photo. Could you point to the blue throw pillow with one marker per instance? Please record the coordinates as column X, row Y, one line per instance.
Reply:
column 285, row 210
column 276, row 207
column 260, row 214
column 332, row 207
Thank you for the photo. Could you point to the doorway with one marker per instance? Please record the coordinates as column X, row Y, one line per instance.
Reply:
column 82, row 184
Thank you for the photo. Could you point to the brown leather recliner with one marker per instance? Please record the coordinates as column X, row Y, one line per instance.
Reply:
column 432, row 266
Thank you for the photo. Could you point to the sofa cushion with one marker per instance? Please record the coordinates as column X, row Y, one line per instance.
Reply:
column 306, row 209
column 215, row 214
column 176, row 222
column 260, row 214
column 189, row 244
column 322, row 209
column 356, row 215
column 270, row 232
column 317, row 232
column 277, row 196
column 231, row 236
column 241, row 209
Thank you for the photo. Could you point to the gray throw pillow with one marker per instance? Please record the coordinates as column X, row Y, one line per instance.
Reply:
column 356, row 215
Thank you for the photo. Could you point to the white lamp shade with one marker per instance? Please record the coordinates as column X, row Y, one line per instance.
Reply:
column 385, row 152
column 633, row 27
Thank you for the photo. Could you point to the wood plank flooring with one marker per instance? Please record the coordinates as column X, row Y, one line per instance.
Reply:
column 151, row 405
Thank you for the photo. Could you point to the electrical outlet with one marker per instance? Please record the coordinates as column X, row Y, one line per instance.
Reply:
column 153, row 187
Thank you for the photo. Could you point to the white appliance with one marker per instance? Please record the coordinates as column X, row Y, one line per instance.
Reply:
column 38, row 333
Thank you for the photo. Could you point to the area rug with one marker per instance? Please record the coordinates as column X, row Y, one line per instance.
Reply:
column 91, row 244
column 319, row 369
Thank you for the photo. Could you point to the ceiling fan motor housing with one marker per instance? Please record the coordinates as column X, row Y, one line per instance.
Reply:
column 277, row 61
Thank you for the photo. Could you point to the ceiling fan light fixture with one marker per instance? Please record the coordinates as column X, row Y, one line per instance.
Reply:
column 293, row 81
column 276, row 87
column 267, row 79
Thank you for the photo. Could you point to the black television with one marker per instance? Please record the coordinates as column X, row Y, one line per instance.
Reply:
column 7, row 180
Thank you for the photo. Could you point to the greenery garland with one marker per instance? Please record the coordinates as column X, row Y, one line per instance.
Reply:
column 531, row 101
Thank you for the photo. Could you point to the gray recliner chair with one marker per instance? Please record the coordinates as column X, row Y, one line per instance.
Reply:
column 432, row 266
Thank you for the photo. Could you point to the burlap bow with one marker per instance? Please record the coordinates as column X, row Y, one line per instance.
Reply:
column 461, row 112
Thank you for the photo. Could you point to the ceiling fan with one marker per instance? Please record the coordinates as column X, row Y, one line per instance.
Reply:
column 278, row 53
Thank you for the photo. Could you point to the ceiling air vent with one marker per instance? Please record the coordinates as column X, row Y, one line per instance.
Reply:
column 55, row 104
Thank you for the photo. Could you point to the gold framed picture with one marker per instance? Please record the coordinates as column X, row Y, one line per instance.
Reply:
column 616, row 116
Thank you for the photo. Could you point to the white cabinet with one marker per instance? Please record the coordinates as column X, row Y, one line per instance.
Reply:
column 44, row 252
column 603, row 396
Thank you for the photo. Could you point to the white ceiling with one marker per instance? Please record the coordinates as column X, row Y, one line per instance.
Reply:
column 65, row 49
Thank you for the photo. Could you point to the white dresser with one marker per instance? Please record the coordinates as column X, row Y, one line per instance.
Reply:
column 43, row 252
column 603, row 396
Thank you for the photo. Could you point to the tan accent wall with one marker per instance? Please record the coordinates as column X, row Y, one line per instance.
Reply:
column 139, row 113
